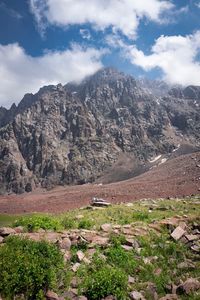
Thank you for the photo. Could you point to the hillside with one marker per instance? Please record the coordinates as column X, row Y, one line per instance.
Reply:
column 177, row 177
column 77, row 133
column 145, row 250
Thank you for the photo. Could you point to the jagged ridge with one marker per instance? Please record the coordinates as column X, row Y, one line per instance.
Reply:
column 72, row 134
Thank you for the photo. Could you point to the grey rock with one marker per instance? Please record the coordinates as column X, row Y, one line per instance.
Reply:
column 178, row 233
column 65, row 244
column 76, row 133
column 189, row 286
column 136, row 296
column 80, row 255
column 75, row 267
column 50, row 295
column 5, row 231
column 106, row 227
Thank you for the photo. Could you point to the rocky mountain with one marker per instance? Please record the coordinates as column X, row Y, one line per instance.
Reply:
column 75, row 133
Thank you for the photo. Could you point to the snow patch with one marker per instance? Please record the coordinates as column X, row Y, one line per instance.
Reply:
column 163, row 161
column 176, row 148
column 158, row 101
column 155, row 159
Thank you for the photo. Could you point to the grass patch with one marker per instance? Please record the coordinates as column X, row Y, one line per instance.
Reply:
column 101, row 280
column 29, row 268
column 7, row 220
column 118, row 257
column 37, row 222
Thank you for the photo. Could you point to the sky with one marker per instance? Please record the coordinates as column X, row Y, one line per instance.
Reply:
column 46, row 42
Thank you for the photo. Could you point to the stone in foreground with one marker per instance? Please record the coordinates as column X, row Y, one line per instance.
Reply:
column 189, row 286
column 136, row 296
column 5, row 231
column 50, row 295
column 178, row 233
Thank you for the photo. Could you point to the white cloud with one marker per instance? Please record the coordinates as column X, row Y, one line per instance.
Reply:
column 176, row 56
column 85, row 33
column 197, row 4
column 120, row 15
column 36, row 8
column 21, row 73
column 114, row 41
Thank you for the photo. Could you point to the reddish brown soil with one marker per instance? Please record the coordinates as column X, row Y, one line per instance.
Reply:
column 176, row 178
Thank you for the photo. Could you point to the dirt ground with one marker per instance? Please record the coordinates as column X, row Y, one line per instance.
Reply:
column 177, row 177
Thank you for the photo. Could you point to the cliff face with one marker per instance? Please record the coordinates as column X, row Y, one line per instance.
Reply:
column 72, row 134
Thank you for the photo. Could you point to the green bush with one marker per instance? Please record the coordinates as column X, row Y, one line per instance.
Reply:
column 68, row 223
column 117, row 239
column 29, row 268
column 37, row 222
column 85, row 224
column 120, row 258
column 104, row 281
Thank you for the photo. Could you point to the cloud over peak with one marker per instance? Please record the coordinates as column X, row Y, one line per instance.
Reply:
column 21, row 73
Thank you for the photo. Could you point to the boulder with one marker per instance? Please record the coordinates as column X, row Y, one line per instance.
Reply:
column 136, row 296
column 192, row 237
column 186, row 265
column 19, row 229
column 127, row 248
column 131, row 279
column 106, row 227
column 52, row 237
column 50, row 295
column 75, row 267
column 71, row 295
column 74, row 283
column 65, row 244
column 80, row 255
column 100, row 240
column 178, row 233
column 5, row 231
column 130, row 242
column 189, row 286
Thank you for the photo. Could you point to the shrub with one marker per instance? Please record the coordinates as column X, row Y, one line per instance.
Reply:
column 29, row 268
column 117, row 240
column 36, row 222
column 68, row 223
column 85, row 224
column 120, row 258
column 104, row 281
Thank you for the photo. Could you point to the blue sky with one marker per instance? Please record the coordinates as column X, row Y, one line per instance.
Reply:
column 50, row 41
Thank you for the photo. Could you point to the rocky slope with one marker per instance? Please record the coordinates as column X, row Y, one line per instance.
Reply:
column 153, row 244
column 73, row 134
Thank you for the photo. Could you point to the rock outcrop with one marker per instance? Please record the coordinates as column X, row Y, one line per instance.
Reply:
column 73, row 134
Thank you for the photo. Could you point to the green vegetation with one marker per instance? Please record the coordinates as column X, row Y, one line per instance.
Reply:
column 36, row 222
column 143, row 211
column 100, row 280
column 7, row 220
column 29, row 268
column 85, row 224
column 120, row 258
